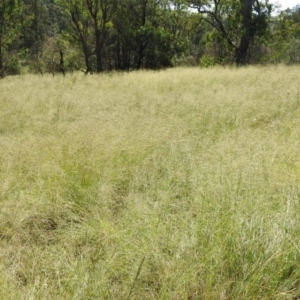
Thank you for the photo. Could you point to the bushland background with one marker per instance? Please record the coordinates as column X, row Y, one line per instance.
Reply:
column 49, row 36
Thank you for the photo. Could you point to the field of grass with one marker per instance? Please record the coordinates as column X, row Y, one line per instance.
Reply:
column 179, row 184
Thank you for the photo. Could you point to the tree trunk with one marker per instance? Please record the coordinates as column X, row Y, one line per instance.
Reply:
column 140, row 55
column 242, row 50
column 118, row 64
column 139, row 58
column 88, row 67
column 99, row 62
column 100, row 42
column 86, row 55
column 62, row 62
column 1, row 59
column 87, row 62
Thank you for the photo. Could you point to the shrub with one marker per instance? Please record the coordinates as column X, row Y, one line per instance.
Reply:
column 207, row 61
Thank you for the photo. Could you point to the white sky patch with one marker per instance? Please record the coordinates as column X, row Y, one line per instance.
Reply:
column 286, row 3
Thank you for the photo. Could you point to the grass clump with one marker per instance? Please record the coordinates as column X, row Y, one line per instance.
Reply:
column 181, row 184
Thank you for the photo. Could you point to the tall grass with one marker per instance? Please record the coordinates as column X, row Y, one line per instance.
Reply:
column 180, row 184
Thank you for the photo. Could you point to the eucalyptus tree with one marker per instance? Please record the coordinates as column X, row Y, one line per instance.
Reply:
column 10, row 11
column 140, row 28
column 91, row 20
column 293, row 15
column 284, row 47
column 101, row 12
column 139, row 21
column 186, row 31
column 35, row 24
column 238, row 21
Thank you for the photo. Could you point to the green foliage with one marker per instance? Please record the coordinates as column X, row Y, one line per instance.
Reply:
column 13, row 64
column 282, row 46
column 207, row 61
column 10, row 12
column 238, row 22
column 103, row 35
column 293, row 51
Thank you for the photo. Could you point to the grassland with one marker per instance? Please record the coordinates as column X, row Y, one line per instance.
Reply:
column 180, row 184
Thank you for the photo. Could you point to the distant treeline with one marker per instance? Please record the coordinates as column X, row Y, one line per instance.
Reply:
column 49, row 36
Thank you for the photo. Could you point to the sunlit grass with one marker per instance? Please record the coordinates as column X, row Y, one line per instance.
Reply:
column 180, row 184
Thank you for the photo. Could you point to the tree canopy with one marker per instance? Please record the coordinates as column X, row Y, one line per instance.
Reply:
column 102, row 35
